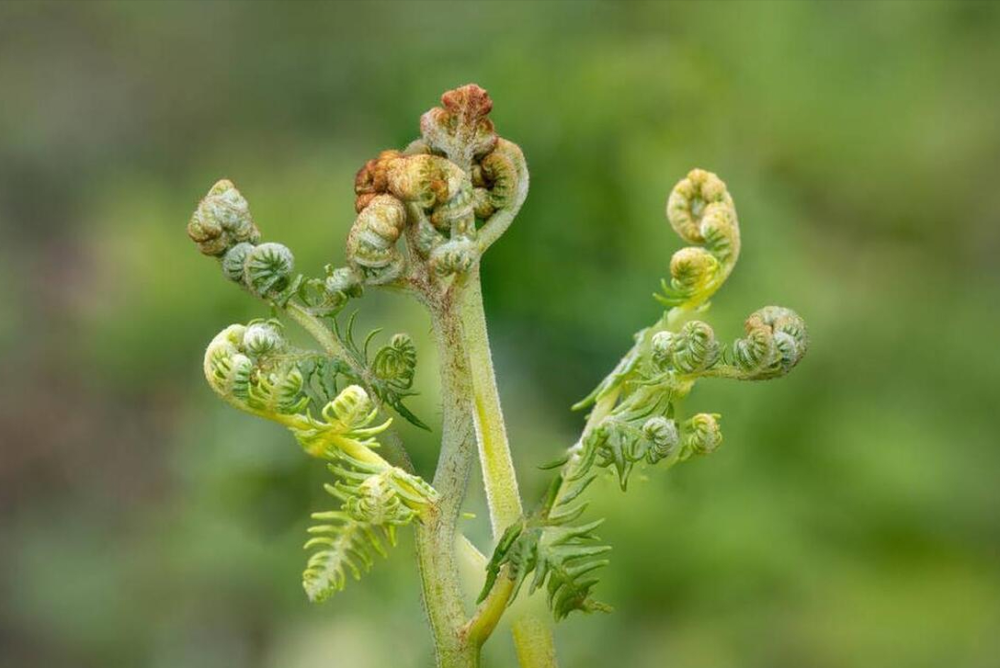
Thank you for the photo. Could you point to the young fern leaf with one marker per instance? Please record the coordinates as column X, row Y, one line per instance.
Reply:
column 393, row 367
column 562, row 558
column 348, row 547
column 253, row 368
column 375, row 500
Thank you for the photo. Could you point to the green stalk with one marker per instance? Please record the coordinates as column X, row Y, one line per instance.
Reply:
column 532, row 627
column 494, row 452
column 436, row 536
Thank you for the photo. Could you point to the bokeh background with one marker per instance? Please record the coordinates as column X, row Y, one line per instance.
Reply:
column 853, row 516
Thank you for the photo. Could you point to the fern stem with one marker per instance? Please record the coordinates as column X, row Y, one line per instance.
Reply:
column 494, row 452
column 532, row 627
column 436, row 535
column 533, row 639
column 490, row 611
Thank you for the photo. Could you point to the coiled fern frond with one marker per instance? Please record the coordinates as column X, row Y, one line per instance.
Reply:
column 636, row 414
column 253, row 368
column 702, row 212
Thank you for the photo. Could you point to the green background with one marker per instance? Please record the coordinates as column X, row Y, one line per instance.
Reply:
column 852, row 517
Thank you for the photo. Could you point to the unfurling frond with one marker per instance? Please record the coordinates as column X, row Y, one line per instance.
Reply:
column 702, row 212
column 391, row 371
column 375, row 500
column 395, row 363
column 776, row 339
column 248, row 367
column 348, row 547
column 636, row 409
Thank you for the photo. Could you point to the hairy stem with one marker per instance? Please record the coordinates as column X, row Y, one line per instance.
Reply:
column 532, row 627
column 494, row 452
column 436, row 536
column 533, row 639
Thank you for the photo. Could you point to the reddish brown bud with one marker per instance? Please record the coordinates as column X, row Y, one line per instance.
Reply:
column 373, row 179
column 461, row 129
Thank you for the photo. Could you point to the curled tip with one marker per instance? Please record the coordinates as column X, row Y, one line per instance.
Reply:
column 692, row 199
column 352, row 407
column 243, row 365
column 376, row 502
column 499, row 179
column 396, row 362
column 268, row 268
column 776, row 340
column 703, row 435
column 692, row 350
column 235, row 260
column 264, row 337
column 222, row 220
column 371, row 243
column 227, row 369
column 460, row 128
column 663, row 437
column 457, row 256
column 373, row 179
column 702, row 212
column 343, row 283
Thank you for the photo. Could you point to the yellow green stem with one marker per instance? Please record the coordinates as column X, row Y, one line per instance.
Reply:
column 532, row 626
column 494, row 452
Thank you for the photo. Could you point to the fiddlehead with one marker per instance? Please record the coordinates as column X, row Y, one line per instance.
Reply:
column 690, row 351
column 460, row 179
column 702, row 212
column 267, row 269
column 222, row 220
column 460, row 129
column 775, row 341
column 371, row 244
column 253, row 368
column 635, row 417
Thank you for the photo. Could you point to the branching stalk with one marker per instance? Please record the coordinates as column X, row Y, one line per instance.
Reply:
column 335, row 348
column 426, row 215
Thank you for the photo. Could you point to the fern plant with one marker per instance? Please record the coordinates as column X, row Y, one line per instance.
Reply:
column 426, row 215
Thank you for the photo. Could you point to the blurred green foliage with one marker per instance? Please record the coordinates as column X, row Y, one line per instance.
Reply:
column 853, row 515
